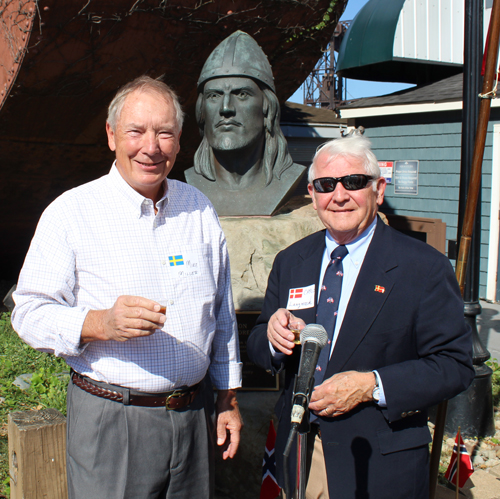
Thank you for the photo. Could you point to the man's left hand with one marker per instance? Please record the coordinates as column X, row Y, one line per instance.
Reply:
column 341, row 393
column 228, row 421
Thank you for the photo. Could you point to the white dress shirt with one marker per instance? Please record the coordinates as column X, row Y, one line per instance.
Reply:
column 102, row 240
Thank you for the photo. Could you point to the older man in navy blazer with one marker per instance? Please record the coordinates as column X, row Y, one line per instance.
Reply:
column 399, row 344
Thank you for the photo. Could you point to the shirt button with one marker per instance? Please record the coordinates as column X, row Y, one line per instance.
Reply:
column 163, row 262
column 178, row 341
column 171, row 302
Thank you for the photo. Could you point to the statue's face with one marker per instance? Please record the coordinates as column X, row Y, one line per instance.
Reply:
column 234, row 116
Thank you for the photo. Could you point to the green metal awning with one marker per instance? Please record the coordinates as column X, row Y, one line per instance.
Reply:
column 367, row 49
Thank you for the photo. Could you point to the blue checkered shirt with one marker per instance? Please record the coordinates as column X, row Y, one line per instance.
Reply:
column 102, row 240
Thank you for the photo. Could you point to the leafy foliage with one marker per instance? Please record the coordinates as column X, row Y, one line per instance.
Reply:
column 495, row 380
column 48, row 385
column 327, row 20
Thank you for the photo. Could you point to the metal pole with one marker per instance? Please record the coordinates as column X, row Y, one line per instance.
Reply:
column 467, row 229
column 300, row 492
column 473, row 409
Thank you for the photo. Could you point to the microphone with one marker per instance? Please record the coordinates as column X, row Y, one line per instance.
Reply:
column 312, row 338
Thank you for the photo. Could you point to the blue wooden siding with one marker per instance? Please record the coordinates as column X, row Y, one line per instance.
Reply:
column 437, row 148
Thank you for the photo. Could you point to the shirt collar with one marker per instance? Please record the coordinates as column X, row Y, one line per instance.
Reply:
column 357, row 248
column 136, row 200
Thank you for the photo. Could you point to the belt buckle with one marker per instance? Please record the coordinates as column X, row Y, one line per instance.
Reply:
column 175, row 394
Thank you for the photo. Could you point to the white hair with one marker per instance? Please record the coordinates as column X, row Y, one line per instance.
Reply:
column 144, row 84
column 352, row 146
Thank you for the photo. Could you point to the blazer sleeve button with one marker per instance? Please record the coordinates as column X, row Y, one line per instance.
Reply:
column 404, row 414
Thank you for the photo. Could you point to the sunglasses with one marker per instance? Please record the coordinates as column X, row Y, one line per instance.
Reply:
column 350, row 182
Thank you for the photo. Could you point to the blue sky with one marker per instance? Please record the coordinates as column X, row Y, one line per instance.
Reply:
column 357, row 88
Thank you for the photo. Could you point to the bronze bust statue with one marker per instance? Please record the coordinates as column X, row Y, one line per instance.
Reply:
column 242, row 164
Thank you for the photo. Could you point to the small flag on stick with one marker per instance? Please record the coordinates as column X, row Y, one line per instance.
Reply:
column 460, row 468
column 269, row 488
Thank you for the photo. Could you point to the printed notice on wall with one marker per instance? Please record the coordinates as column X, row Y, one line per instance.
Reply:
column 406, row 177
column 386, row 170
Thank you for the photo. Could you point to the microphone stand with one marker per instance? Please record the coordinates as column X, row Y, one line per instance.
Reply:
column 302, row 457
column 313, row 339
column 302, row 429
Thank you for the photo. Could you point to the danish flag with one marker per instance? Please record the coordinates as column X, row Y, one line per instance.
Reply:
column 296, row 293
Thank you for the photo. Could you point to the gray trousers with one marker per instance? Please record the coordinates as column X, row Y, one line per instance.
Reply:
column 117, row 451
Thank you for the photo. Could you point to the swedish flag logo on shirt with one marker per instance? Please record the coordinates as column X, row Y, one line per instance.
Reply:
column 176, row 260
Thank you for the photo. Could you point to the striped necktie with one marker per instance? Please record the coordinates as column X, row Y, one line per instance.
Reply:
column 328, row 305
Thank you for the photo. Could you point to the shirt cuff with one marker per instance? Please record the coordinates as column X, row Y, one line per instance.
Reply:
column 381, row 402
column 226, row 376
column 69, row 331
column 276, row 357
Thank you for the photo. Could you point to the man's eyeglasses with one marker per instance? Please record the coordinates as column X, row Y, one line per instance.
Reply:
column 350, row 182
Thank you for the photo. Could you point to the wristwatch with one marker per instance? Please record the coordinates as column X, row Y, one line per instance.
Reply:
column 376, row 391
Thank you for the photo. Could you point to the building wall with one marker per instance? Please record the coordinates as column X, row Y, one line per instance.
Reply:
column 437, row 146
column 434, row 139
column 302, row 150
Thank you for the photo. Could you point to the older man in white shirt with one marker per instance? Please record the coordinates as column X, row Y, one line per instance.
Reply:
column 105, row 258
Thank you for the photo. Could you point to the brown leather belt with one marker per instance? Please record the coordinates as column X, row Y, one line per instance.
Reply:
column 176, row 399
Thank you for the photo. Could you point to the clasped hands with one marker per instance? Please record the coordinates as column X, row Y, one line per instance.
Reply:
column 336, row 395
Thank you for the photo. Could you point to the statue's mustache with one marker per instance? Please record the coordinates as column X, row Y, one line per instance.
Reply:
column 228, row 122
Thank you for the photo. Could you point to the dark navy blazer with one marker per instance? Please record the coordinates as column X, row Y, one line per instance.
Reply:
column 405, row 319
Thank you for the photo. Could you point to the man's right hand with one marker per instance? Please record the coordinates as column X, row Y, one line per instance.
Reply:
column 130, row 317
column 278, row 334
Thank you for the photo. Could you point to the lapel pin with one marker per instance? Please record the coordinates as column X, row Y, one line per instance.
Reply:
column 379, row 289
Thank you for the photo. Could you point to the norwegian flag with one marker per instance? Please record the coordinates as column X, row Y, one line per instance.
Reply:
column 269, row 488
column 464, row 467
column 296, row 293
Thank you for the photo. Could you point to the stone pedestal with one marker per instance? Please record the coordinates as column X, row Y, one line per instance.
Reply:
column 253, row 243
column 241, row 477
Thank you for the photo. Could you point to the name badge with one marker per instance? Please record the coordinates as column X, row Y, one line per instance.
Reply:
column 299, row 298
column 184, row 264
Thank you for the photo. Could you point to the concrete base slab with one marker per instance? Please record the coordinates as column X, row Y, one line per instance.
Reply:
column 481, row 485
column 444, row 493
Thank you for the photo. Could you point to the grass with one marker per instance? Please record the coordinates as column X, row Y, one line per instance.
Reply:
column 46, row 390
column 495, row 381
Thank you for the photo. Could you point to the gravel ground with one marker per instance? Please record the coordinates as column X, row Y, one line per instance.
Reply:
column 485, row 453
